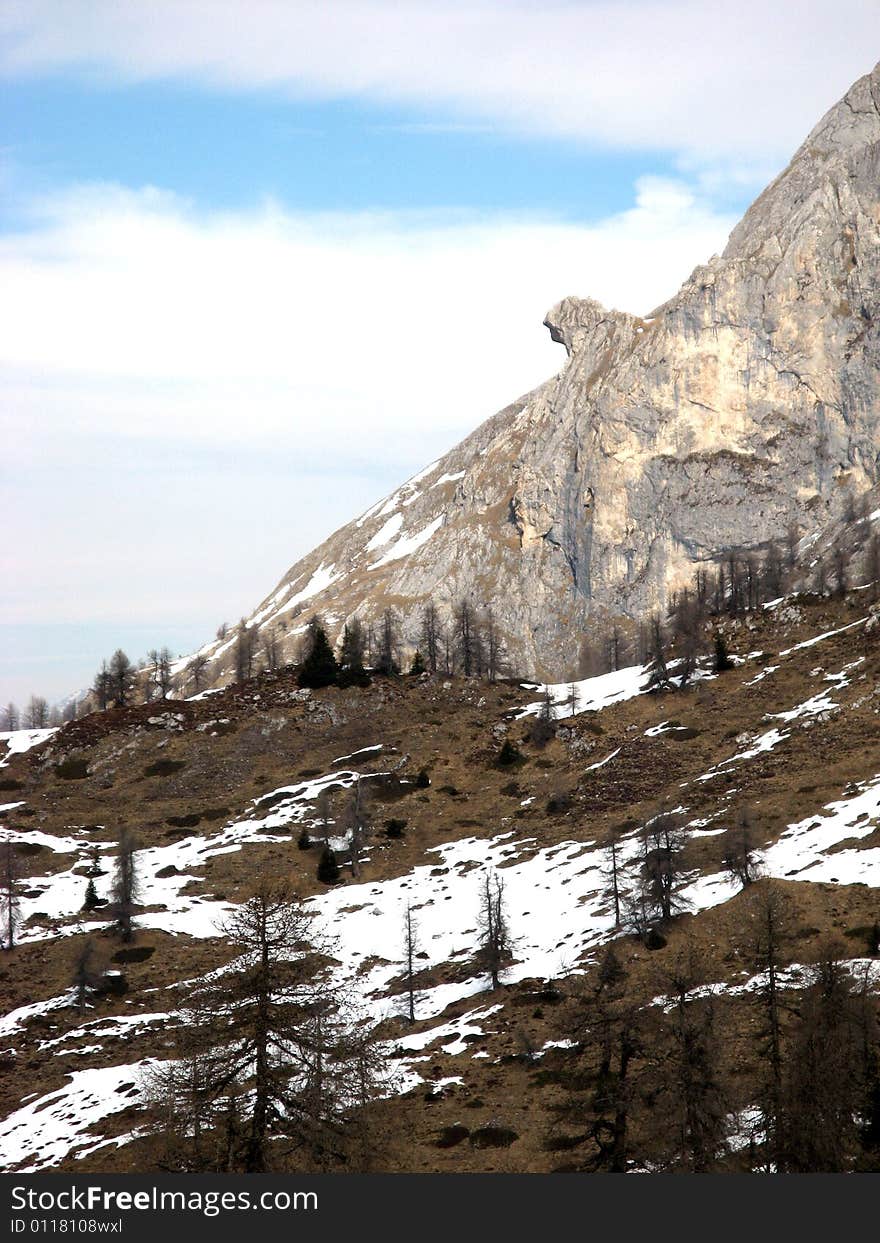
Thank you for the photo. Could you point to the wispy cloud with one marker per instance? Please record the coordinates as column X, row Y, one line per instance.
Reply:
column 706, row 78
column 177, row 386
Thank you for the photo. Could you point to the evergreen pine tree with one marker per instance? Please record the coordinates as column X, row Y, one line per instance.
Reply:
column 91, row 899
column 351, row 657
column 417, row 668
column 319, row 667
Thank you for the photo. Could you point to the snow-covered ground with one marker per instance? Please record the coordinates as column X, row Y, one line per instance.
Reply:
column 53, row 904
column 809, row 849
column 557, row 899
column 589, row 694
column 16, row 741
column 45, row 1130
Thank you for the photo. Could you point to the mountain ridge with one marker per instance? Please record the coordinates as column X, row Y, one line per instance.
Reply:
column 744, row 405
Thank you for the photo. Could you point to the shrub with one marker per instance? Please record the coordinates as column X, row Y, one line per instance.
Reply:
column 328, row 868
column 722, row 657
column 304, row 842
column 72, row 769
column 395, row 828
column 164, row 768
column 559, row 801
column 508, row 755
column 452, row 1135
column 184, row 822
column 134, row 953
column 423, row 780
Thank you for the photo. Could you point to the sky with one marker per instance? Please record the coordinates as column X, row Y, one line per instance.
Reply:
column 261, row 260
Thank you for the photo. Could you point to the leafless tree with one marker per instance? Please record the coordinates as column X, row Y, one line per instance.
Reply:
column 613, row 873
column 772, row 572
column 197, row 668
column 694, row 1106
column 663, row 841
column 494, row 943
column 358, row 825
column 430, row 637
column 101, row 688
column 820, row 577
column 276, row 1056
column 572, row 699
column 388, row 656
column 494, row 646
column 615, row 647
column 37, row 713
column 872, row 565
column 244, row 651
column 840, row 566
column 10, row 718
column 9, row 904
column 467, row 640
column 86, row 974
column 608, row 1023
column 125, row 886
column 660, row 678
column 159, row 682
column 792, row 539
column 410, row 949
column 770, row 926
column 741, row 861
column 272, row 648
column 324, row 815
column 824, row 1085
column 688, row 638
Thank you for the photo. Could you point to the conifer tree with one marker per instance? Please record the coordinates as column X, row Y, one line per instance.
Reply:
column 273, row 1057
column 121, row 679
column 319, row 667
column 351, row 656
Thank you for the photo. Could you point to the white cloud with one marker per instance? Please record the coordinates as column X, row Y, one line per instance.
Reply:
column 190, row 402
column 706, row 78
column 128, row 312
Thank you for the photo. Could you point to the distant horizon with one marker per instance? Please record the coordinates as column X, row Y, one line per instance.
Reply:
column 257, row 275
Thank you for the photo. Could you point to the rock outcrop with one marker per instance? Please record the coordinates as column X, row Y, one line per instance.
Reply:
column 745, row 404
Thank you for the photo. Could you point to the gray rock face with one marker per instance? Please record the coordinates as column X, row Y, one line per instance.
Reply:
column 746, row 403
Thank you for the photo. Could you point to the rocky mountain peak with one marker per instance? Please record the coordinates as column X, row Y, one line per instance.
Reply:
column 745, row 405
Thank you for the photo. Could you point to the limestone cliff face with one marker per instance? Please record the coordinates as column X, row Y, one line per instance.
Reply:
column 747, row 402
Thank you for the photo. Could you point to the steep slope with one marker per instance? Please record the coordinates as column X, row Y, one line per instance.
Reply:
column 218, row 791
column 745, row 404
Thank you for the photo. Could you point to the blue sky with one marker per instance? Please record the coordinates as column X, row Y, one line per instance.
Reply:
column 220, row 150
column 262, row 261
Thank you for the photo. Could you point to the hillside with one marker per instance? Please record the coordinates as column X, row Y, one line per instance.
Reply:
column 744, row 406
column 217, row 791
